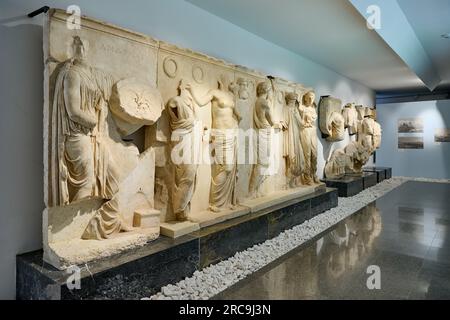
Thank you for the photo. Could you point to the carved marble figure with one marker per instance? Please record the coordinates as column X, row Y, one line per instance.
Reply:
column 243, row 88
column 99, row 184
column 264, row 125
column 293, row 146
column 308, row 138
column 225, row 119
column 350, row 118
column 331, row 121
column 185, row 139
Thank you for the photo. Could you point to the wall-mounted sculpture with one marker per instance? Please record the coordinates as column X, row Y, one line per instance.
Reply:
column 377, row 131
column 99, row 195
column 331, row 121
column 155, row 118
column 350, row 118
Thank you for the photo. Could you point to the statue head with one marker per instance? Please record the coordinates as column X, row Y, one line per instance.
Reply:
column 79, row 48
column 241, row 88
column 243, row 83
column 225, row 84
column 308, row 98
column 349, row 105
column 263, row 88
column 291, row 97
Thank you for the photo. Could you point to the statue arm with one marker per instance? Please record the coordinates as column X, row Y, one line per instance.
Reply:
column 268, row 114
column 236, row 114
column 72, row 98
column 201, row 100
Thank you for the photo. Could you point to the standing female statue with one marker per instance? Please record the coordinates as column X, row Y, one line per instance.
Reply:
column 183, row 124
column 80, row 162
column 308, row 137
column 293, row 151
column 225, row 119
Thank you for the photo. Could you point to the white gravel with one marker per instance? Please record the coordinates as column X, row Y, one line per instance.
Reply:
column 216, row 278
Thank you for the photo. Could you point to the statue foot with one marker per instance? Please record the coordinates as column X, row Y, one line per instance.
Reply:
column 214, row 209
column 181, row 217
column 126, row 228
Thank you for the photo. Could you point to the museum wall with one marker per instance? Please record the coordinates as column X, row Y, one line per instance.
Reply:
column 175, row 21
column 431, row 161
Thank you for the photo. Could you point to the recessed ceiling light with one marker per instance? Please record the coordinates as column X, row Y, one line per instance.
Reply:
column 446, row 35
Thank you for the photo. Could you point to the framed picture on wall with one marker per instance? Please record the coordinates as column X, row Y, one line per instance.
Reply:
column 410, row 125
column 442, row 135
column 410, row 142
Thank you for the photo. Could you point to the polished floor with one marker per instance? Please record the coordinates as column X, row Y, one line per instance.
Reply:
column 406, row 234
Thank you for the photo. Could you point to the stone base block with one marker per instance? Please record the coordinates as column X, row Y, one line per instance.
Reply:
column 175, row 229
column 141, row 272
column 148, row 218
column 383, row 172
column 369, row 179
column 347, row 186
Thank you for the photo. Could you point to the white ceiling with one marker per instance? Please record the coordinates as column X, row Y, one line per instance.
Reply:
column 333, row 33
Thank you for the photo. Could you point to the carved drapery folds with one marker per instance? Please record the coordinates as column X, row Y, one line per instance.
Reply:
column 308, row 137
column 84, row 163
column 331, row 121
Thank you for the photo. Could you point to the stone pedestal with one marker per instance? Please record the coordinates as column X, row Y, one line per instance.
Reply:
column 369, row 179
column 143, row 271
column 347, row 186
column 382, row 172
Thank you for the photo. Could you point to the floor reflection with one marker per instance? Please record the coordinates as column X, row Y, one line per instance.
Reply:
column 409, row 242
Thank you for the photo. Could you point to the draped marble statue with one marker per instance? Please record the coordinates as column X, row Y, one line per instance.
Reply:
column 352, row 158
column 80, row 96
column 308, row 137
column 350, row 118
column 99, row 186
column 366, row 130
column 331, row 121
column 377, row 131
column 293, row 146
column 348, row 160
column 82, row 163
column 225, row 119
column 264, row 125
column 185, row 139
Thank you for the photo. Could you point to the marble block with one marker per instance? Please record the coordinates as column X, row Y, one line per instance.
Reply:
column 281, row 196
column 208, row 218
column 175, row 229
column 146, row 218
